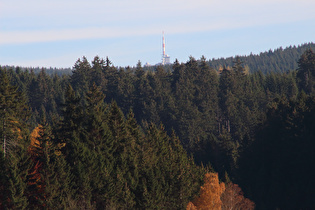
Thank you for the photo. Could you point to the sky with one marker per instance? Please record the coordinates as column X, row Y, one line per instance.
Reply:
column 46, row 33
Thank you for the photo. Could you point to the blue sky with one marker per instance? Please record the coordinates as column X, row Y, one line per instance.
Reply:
column 56, row 33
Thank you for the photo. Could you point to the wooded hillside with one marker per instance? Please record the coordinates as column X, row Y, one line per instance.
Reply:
column 108, row 137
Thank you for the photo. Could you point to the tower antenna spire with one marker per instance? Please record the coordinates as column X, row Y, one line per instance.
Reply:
column 165, row 57
column 163, row 45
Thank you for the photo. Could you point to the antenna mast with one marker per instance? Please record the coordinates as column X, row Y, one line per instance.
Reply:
column 163, row 47
column 165, row 57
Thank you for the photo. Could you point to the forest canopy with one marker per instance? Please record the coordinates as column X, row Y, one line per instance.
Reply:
column 106, row 137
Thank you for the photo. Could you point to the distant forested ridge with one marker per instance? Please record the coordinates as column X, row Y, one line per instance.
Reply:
column 277, row 60
column 37, row 70
column 160, row 138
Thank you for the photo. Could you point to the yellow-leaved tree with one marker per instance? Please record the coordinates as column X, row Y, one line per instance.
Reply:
column 34, row 141
column 210, row 193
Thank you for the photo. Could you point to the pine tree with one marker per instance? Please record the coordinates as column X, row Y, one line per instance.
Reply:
column 95, row 115
column 18, row 172
column 51, row 177
column 306, row 71
column 281, row 154
column 125, row 158
column 13, row 130
column 100, row 142
column 13, row 184
column 111, row 76
column 71, row 124
column 177, row 72
column 125, row 89
column 81, row 77
column 144, row 105
column 14, row 114
column 98, row 75
column 186, row 111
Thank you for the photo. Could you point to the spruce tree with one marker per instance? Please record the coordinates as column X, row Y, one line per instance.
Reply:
column 14, row 114
column 81, row 76
column 100, row 142
column 52, row 180
column 125, row 158
column 306, row 71
column 13, row 179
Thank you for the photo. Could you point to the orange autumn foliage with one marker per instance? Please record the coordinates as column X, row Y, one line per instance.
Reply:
column 35, row 179
column 233, row 198
column 34, row 142
column 191, row 206
column 210, row 194
column 217, row 196
column 35, row 149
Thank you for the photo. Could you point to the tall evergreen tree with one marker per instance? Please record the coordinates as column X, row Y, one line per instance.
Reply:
column 280, row 157
column 14, row 173
column 50, row 182
column 306, row 71
column 100, row 142
column 14, row 114
column 81, row 76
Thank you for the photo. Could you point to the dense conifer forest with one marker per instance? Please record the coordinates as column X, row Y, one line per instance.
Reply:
column 278, row 60
column 219, row 134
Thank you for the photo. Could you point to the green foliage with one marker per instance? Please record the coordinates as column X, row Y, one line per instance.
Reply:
column 247, row 125
column 281, row 155
column 306, row 71
column 49, row 185
column 14, row 172
column 13, row 112
column 14, row 157
column 277, row 61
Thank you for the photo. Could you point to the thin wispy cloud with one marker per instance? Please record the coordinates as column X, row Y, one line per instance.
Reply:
column 73, row 20
column 45, row 21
